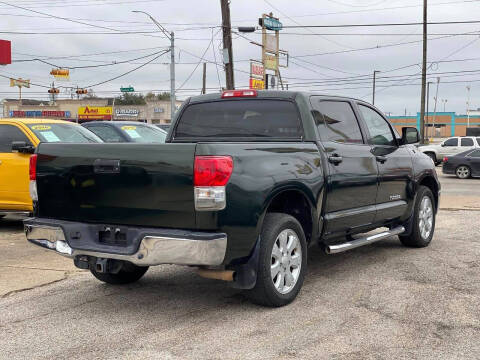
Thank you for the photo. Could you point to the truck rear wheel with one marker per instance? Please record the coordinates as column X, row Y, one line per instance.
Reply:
column 423, row 220
column 129, row 273
column 282, row 261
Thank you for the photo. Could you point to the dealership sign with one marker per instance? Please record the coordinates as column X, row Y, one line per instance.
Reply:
column 40, row 113
column 127, row 112
column 95, row 113
column 257, row 84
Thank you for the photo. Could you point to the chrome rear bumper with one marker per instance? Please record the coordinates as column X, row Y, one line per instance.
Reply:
column 153, row 250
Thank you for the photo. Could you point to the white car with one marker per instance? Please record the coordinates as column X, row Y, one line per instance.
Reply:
column 449, row 147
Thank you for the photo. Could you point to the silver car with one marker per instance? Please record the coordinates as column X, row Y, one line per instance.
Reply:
column 449, row 147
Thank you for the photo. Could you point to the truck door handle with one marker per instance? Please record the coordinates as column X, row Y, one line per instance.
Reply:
column 335, row 159
column 106, row 166
column 381, row 159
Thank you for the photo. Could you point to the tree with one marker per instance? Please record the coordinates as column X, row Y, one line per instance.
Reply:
column 161, row 96
column 130, row 99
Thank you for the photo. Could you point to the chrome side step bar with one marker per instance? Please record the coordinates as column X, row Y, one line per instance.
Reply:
column 338, row 248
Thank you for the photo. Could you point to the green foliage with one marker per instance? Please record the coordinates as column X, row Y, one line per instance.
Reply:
column 161, row 96
column 130, row 99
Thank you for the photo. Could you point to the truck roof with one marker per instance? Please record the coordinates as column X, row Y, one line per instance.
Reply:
column 287, row 94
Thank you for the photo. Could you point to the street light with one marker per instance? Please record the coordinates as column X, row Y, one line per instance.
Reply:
column 171, row 37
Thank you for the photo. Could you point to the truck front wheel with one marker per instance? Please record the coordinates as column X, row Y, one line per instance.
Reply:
column 129, row 273
column 423, row 221
column 282, row 261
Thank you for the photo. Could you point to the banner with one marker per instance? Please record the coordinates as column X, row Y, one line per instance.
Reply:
column 95, row 113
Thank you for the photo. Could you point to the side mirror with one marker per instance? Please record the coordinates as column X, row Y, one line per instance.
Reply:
column 442, row 144
column 410, row 135
column 22, row 147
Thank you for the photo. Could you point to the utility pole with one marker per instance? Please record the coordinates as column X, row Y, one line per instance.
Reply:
column 204, row 79
column 428, row 97
column 424, row 74
column 227, row 44
column 374, row 77
column 171, row 37
column 435, row 107
column 468, row 106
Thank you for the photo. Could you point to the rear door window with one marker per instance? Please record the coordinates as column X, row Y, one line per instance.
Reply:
column 451, row 142
column 466, row 142
column 252, row 118
column 9, row 134
column 475, row 154
column 337, row 122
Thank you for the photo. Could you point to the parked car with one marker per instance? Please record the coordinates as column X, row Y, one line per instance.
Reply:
column 464, row 165
column 165, row 127
column 18, row 140
column 245, row 183
column 449, row 147
column 126, row 131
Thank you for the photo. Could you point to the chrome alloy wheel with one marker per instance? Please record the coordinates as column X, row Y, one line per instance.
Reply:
column 463, row 172
column 286, row 261
column 425, row 217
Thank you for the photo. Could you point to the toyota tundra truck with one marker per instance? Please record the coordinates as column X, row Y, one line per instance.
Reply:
column 246, row 182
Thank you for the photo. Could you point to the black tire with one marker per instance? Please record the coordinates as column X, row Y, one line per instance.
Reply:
column 265, row 293
column 415, row 239
column 463, row 172
column 127, row 275
column 433, row 157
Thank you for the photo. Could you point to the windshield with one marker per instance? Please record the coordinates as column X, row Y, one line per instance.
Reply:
column 144, row 134
column 240, row 118
column 71, row 133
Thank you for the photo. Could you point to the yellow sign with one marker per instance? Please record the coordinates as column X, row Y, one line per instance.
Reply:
column 41, row 127
column 19, row 82
column 95, row 113
column 257, row 84
column 128, row 127
column 271, row 62
column 61, row 74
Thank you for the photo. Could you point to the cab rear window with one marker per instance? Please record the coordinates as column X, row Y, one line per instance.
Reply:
column 249, row 118
column 63, row 133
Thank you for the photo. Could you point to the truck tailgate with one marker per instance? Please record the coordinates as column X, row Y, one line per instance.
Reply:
column 128, row 183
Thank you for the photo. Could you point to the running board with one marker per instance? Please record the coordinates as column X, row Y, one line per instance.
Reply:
column 338, row 248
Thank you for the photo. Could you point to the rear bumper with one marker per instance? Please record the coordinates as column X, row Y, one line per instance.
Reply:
column 145, row 246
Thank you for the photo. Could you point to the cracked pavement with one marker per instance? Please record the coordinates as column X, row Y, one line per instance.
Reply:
column 382, row 301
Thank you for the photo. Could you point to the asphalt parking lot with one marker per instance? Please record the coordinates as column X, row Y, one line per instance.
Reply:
column 382, row 301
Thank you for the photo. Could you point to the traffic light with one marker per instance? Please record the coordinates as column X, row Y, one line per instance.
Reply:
column 53, row 91
column 60, row 72
column 81, row 91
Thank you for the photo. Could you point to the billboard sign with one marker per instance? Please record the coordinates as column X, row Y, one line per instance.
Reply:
column 271, row 62
column 271, row 44
column 257, row 84
column 19, row 82
column 5, row 52
column 257, row 70
column 127, row 112
column 40, row 114
column 95, row 113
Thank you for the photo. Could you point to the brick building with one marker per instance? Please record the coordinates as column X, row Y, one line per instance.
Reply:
column 443, row 124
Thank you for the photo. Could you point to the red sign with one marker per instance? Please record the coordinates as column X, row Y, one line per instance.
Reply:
column 5, row 52
column 257, row 70
column 39, row 113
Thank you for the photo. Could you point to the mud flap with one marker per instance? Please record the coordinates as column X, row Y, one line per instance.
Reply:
column 246, row 274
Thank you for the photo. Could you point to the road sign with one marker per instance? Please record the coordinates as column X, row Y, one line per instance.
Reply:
column 257, row 84
column 127, row 89
column 272, row 24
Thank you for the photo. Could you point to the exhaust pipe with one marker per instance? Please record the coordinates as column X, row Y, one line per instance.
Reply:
column 338, row 248
column 225, row 275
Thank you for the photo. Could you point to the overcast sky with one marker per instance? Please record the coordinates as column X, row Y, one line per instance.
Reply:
column 331, row 64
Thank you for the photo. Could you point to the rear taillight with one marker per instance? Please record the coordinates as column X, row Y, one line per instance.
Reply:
column 210, row 175
column 33, row 177
column 33, row 167
column 445, row 159
column 239, row 93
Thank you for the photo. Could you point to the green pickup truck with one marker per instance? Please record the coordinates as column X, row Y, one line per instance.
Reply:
column 246, row 181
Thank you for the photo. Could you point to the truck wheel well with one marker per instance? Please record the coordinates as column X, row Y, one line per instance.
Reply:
column 294, row 203
column 430, row 182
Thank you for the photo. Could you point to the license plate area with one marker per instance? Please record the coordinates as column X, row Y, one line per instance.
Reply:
column 113, row 235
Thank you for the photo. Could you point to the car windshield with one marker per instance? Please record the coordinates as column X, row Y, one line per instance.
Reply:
column 143, row 133
column 52, row 132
